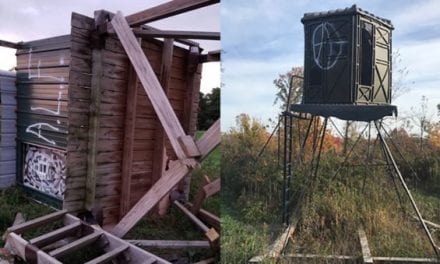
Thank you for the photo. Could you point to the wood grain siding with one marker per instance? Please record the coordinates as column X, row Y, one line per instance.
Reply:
column 42, row 88
column 76, row 71
column 78, row 111
column 8, row 129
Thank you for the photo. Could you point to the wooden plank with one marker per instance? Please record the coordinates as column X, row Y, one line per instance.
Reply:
column 75, row 245
column 165, row 77
column 177, row 170
column 181, row 41
column 18, row 229
column 167, row 9
column 171, row 244
column 190, row 149
column 212, row 188
column 112, row 254
column 401, row 260
column 94, row 115
column 150, row 83
column 206, row 261
column 209, row 218
column 130, row 123
column 55, row 235
column 26, row 251
column 210, row 233
column 212, row 56
column 366, row 254
column 8, row 44
column 210, row 139
column 176, row 34
column 201, row 195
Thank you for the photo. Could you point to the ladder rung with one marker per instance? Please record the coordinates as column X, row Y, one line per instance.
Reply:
column 77, row 244
column 18, row 229
column 108, row 256
column 55, row 235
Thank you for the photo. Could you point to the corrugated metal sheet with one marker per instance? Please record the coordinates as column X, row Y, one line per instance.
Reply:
column 8, row 129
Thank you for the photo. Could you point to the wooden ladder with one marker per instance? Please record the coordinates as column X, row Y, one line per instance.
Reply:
column 73, row 236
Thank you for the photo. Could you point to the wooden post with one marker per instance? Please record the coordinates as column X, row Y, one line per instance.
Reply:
column 190, row 106
column 159, row 139
column 127, row 157
column 200, row 197
column 95, row 101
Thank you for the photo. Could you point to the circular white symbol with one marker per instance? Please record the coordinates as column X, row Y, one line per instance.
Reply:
column 326, row 46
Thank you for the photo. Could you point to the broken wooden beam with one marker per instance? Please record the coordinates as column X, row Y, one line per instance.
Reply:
column 150, row 83
column 210, row 233
column 177, row 170
column 207, row 35
column 170, row 244
column 167, row 9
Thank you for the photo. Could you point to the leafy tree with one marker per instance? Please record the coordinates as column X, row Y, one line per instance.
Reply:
column 209, row 109
column 283, row 84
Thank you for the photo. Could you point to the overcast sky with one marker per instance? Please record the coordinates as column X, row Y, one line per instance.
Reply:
column 266, row 37
column 27, row 20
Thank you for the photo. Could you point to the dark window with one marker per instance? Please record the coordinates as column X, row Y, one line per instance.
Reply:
column 366, row 52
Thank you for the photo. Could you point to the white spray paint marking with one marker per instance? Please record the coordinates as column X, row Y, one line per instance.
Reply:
column 322, row 41
column 36, row 130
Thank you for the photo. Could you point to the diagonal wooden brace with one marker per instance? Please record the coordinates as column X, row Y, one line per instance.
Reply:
column 152, row 87
column 177, row 170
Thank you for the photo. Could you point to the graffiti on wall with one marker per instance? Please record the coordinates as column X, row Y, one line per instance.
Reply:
column 327, row 45
column 36, row 128
column 45, row 171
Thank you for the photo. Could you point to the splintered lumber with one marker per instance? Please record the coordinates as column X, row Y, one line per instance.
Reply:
column 177, row 170
column 176, row 34
column 109, row 255
column 210, row 233
column 172, row 244
column 40, row 221
column 150, row 83
column 167, row 9
column 366, row 254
